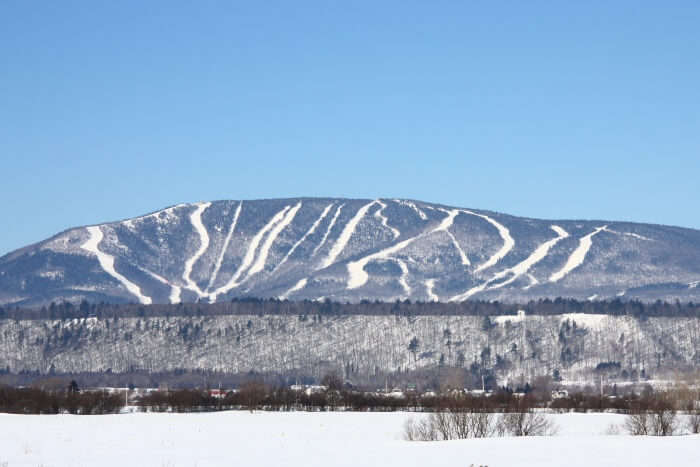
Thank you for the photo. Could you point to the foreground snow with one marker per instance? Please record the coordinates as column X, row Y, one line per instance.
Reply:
column 314, row 439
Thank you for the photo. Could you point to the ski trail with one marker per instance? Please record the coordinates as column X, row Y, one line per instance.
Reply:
column 345, row 235
column 444, row 227
column 429, row 286
column 403, row 280
column 469, row 293
column 577, row 256
column 249, row 255
column 328, row 230
column 196, row 221
column 357, row 277
column 259, row 264
column 508, row 242
column 413, row 206
column 301, row 240
column 462, row 254
column 107, row 263
column 175, row 290
column 519, row 269
column 220, row 259
column 535, row 257
column 447, row 222
column 298, row 286
column 629, row 234
column 384, row 220
column 533, row 281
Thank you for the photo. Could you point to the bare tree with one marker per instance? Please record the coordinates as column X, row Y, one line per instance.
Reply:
column 693, row 422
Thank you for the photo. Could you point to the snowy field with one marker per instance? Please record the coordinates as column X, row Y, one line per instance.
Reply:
column 315, row 439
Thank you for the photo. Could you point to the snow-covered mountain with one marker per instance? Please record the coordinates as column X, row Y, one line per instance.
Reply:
column 347, row 249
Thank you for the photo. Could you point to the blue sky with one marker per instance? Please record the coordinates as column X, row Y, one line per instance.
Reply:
column 544, row 109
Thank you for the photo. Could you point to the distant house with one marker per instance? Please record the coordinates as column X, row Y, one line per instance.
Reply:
column 217, row 393
column 308, row 389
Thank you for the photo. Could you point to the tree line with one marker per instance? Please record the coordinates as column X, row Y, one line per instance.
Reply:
column 306, row 308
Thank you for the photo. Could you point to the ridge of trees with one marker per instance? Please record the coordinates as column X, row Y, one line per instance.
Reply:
column 258, row 306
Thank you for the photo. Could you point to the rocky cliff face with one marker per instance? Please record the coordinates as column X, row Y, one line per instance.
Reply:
column 351, row 250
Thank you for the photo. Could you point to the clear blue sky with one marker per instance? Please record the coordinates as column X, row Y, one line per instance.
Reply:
column 545, row 109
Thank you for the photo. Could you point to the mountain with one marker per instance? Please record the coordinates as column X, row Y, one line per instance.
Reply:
column 349, row 250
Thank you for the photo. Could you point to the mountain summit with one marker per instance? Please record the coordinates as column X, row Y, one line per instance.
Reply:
column 349, row 250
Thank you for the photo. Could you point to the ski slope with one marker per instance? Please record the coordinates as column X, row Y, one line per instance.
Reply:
column 92, row 245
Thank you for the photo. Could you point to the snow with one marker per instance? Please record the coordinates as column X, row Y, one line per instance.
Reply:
column 259, row 264
column 385, row 220
column 429, row 286
column 328, row 230
column 403, row 280
column 196, row 220
column 357, row 277
column 577, row 256
column 298, row 286
column 693, row 285
column 533, row 281
column 311, row 230
column 220, row 259
column 588, row 320
column 629, row 234
column 175, row 291
column 345, row 235
column 462, row 255
column 303, row 439
column 447, row 222
column 524, row 266
column 512, row 318
column 249, row 254
column 413, row 206
column 508, row 242
column 107, row 263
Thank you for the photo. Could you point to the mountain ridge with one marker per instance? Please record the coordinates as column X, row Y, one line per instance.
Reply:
column 348, row 250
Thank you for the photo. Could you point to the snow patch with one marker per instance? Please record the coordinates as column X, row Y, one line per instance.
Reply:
column 429, row 288
column 588, row 320
column 107, row 263
column 501, row 319
column 693, row 285
column 577, row 256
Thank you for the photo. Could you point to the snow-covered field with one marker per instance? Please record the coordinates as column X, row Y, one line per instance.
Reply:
column 315, row 439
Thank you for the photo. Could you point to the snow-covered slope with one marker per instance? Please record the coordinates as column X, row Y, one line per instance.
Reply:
column 345, row 249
